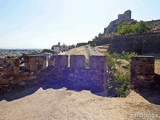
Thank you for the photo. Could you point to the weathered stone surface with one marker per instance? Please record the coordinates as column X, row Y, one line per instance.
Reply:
column 35, row 63
column 141, row 44
column 22, row 83
column 32, row 77
column 142, row 72
column 77, row 76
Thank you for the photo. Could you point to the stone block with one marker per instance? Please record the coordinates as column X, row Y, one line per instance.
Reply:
column 35, row 62
column 77, row 61
column 142, row 72
column 61, row 61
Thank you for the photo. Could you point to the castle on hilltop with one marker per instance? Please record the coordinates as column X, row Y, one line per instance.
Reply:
column 125, row 17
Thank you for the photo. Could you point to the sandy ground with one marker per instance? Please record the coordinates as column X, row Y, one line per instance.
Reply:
column 39, row 103
column 62, row 104
column 78, row 51
column 100, row 50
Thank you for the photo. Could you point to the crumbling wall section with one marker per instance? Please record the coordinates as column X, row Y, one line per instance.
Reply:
column 35, row 63
column 11, row 76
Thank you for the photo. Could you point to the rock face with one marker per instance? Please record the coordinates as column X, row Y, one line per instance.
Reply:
column 126, row 17
column 142, row 44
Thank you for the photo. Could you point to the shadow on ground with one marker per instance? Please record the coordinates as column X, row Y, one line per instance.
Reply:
column 23, row 92
column 58, row 85
column 152, row 96
column 18, row 93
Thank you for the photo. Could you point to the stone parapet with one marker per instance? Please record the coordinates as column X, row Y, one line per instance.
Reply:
column 77, row 76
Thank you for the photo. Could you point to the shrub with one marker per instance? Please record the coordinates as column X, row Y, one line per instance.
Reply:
column 128, row 28
column 118, row 82
column 94, row 41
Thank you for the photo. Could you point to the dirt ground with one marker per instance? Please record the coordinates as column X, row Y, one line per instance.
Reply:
column 62, row 104
column 39, row 103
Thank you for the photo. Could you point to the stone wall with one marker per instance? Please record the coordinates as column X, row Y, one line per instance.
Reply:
column 142, row 44
column 104, row 40
column 11, row 76
column 77, row 76
column 9, row 72
column 35, row 63
column 142, row 72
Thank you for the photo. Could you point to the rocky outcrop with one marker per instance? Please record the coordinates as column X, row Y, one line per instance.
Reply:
column 142, row 44
column 126, row 17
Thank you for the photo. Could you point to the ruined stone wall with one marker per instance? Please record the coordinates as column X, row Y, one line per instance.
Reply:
column 35, row 63
column 142, row 72
column 9, row 71
column 142, row 44
column 77, row 76
column 126, row 17
column 11, row 76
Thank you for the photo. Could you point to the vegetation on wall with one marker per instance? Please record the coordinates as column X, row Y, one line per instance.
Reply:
column 138, row 28
column 118, row 81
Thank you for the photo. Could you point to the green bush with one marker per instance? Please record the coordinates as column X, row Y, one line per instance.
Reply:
column 118, row 83
column 94, row 41
column 122, row 82
column 128, row 28
column 32, row 54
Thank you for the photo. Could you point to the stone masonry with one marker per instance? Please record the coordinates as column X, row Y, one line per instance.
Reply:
column 142, row 72
column 146, row 43
column 11, row 75
column 72, row 73
column 35, row 63
column 77, row 76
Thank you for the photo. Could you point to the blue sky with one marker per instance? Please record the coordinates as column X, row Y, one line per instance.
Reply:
column 43, row 23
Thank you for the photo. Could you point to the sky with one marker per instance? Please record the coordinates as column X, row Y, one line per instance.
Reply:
column 43, row 23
